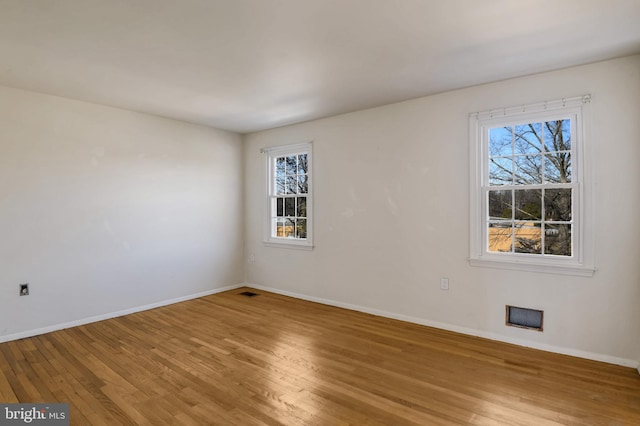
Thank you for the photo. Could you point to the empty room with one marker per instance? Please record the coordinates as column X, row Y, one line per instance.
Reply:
column 320, row 212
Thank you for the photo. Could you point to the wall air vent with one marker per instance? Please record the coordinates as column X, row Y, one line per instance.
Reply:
column 524, row 318
column 248, row 294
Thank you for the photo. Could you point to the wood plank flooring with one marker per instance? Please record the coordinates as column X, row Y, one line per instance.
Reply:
column 272, row 360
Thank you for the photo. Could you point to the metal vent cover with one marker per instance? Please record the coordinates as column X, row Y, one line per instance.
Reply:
column 248, row 294
column 524, row 318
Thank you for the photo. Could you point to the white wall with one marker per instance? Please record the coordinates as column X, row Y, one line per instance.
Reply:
column 104, row 210
column 392, row 217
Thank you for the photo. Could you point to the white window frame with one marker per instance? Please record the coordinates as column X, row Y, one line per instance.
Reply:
column 581, row 262
column 271, row 153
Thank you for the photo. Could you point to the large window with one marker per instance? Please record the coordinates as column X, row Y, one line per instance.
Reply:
column 527, row 205
column 289, row 192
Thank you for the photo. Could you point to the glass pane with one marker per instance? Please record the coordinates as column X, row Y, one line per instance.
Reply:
column 280, row 228
column 557, row 135
column 528, row 170
column 301, row 228
column 292, row 185
column 303, row 165
column 501, row 171
column 500, row 236
column 557, row 240
column 280, row 185
column 301, row 207
column 528, row 204
column 279, row 206
column 289, row 206
column 557, row 167
column 280, row 179
column 500, row 142
column 303, row 185
column 289, row 228
column 500, row 204
column 557, row 205
column 280, row 167
column 528, row 238
column 566, row 134
column 528, row 138
column 292, row 165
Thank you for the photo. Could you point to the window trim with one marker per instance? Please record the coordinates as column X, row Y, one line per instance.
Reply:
column 581, row 262
column 270, row 154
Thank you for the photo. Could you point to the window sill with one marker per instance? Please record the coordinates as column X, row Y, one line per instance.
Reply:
column 543, row 267
column 288, row 245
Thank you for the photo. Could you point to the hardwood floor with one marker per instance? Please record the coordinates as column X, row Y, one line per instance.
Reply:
column 229, row 359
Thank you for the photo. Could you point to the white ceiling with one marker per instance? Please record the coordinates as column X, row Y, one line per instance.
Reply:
column 247, row 65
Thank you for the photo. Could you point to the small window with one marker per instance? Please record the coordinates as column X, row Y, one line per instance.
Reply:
column 289, row 196
column 527, row 196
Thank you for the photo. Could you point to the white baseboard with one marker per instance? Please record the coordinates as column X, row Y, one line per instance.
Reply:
column 62, row 326
column 463, row 330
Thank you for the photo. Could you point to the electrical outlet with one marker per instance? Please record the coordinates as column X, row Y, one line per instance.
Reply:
column 24, row 289
column 444, row 283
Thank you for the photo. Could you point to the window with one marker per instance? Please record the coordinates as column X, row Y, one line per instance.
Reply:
column 289, row 196
column 528, row 206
